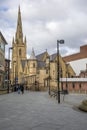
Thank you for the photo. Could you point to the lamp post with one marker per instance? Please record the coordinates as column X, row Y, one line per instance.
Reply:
column 58, row 68
column 49, row 75
column 66, row 82
column 14, row 74
column 61, row 79
column 66, row 77
column 48, row 66
column 9, row 66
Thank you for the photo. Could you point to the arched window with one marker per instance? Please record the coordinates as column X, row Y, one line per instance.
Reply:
column 19, row 52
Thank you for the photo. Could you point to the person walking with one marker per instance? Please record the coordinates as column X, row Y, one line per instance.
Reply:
column 22, row 88
column 18, row 89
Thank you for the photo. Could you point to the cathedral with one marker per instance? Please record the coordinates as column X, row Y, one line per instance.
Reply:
column 38, row 70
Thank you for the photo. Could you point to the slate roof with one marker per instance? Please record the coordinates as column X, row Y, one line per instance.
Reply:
column 41, row 64
column 40, row 56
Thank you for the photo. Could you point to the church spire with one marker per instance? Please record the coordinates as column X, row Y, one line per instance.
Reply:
column 33, row 57
column 19, row 34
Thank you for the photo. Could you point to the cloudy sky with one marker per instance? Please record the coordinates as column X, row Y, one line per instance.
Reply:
column 44, row 22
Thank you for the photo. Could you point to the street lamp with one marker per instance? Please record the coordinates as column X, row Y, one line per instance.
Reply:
column 14, row 74
column 9, row 66
column 66, row 77
column 58, row 68
column 61, row 79
column 48, row 66
column 49, row 75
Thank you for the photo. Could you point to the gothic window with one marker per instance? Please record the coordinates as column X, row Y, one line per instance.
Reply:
column 2, row 46
column 73, row 85
column 53, row 72
column 19, row 52
column 47, row 71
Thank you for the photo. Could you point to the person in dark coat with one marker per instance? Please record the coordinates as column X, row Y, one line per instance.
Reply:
column 22, row 88
column 18, row 88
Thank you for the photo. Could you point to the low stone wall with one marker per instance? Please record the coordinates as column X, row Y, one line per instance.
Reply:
column 37, row 87
column 5, row 91
column 72, row 87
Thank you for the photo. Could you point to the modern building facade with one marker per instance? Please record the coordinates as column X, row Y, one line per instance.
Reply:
column 3, row 42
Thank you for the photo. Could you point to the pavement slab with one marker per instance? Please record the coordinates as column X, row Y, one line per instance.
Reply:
column 38, row 111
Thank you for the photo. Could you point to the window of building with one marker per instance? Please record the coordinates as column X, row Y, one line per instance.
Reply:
column 19, row 52
column 2, row 46
column 47, row 71
column 73, row 85
column 53, row 72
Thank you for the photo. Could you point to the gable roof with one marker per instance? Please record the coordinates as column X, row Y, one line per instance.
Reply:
column 52, row 57
column 40, row 56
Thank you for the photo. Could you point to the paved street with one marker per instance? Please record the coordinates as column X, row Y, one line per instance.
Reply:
column 38, row 111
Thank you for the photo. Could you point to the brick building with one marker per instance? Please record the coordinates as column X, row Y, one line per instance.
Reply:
column 78, row 60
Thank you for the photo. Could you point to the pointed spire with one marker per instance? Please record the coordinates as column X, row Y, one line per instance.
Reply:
column 19, row 9
column 32, row 55
column 19, row 34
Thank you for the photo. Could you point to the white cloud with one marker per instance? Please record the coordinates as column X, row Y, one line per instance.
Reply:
column 45, row 21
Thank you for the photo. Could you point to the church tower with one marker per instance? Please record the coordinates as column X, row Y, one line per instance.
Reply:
column 19, row 49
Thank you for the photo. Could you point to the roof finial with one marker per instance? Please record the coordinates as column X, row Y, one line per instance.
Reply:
column 32, row 54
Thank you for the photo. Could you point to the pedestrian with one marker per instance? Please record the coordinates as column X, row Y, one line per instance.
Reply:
column 22, row 88
column 18, row 89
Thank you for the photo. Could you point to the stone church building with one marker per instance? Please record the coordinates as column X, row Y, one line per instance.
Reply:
column 40, row 70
